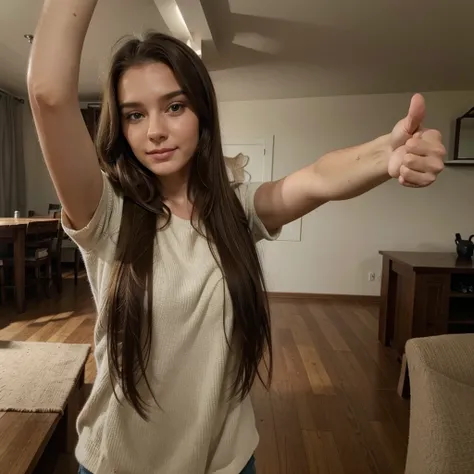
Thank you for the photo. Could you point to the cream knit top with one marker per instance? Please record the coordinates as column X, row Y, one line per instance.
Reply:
column 197, row 430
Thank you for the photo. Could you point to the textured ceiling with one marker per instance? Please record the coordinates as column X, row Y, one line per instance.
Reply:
column 277, row 48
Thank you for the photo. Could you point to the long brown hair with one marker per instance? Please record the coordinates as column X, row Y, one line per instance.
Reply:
column 216, row 208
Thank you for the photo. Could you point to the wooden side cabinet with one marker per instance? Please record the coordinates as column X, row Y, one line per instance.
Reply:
column 424, row 294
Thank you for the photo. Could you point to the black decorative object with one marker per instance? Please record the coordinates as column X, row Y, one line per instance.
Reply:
column 464, row 248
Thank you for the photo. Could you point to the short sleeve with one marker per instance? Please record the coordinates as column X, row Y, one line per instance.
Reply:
column 246, row 194
column 105, row 223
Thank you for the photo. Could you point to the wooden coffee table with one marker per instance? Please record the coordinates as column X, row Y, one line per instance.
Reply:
column 25, row 436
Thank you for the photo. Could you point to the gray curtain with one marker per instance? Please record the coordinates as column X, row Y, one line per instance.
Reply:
column 12, row 164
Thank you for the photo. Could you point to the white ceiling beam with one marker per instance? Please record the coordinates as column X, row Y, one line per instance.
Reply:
column 186, row 21
column 172, row 16
column 195, row 18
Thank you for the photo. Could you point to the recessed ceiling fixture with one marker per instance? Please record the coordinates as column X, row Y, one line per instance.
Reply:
column 29, row 38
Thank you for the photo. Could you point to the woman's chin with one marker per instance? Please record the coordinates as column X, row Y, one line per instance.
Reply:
column 166, row 168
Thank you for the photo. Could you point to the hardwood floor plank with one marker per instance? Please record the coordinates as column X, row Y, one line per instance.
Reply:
column 358, row 388
column 49, row 328
column 398, row 410
column 70, row 326
column 299, row 384
column 344, row 410
column 320, row 382
column 391, row 445
column 368, row 317
column 355, row 451
column 289, row 437
column 328, row 328
column 321, row 450
column 310, row 418
column 382, row 371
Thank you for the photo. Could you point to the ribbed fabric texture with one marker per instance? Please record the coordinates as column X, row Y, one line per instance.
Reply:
column 196, row 430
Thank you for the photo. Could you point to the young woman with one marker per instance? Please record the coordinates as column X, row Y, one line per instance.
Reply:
column 169, row 244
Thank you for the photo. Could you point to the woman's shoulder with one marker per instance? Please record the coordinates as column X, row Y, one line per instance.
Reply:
column 245, row 192
column 105, row 221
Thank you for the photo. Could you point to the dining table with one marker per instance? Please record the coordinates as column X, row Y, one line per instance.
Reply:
column 13, row 230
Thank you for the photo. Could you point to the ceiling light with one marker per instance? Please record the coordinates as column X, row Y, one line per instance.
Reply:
column 29, row 38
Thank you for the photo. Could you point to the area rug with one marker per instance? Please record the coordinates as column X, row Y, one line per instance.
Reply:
column 39, row 376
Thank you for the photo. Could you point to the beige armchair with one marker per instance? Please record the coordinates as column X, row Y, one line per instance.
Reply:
column 441, row 435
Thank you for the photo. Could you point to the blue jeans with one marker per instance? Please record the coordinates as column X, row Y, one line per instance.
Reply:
column 248, row 469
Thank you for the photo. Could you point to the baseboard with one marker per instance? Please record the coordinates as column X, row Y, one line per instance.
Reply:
column 325, row 296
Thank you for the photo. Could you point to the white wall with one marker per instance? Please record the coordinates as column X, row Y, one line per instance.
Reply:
column 340, row 241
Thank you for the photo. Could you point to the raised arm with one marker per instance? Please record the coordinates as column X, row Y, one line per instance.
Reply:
column 53, row 76
column 410, row 153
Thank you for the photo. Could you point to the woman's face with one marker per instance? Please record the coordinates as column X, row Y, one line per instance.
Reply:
column 160, row 127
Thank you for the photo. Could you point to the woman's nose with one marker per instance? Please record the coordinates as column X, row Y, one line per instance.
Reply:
column 157, row 128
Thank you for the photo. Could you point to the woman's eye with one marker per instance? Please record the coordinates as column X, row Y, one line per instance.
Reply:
column 175, row 108
column 135, row 116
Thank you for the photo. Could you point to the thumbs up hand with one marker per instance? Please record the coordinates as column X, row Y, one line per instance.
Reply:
column 417, row 153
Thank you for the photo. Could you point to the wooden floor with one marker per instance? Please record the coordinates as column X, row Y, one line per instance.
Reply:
column 333, row 406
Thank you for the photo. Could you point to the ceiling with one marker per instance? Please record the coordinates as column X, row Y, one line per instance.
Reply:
column 262, row 49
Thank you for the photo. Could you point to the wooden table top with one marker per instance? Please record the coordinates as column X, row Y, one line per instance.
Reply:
column 24, row 437
column 430, row 260
column 22, row 221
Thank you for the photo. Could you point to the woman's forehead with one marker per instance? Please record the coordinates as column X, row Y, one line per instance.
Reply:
column 147, row 81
